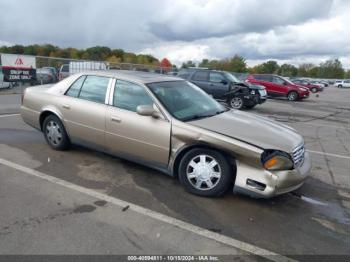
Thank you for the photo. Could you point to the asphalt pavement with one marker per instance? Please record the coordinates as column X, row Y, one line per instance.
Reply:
column 314, row 220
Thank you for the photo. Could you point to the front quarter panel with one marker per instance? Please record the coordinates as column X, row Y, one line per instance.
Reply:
column 185, row 135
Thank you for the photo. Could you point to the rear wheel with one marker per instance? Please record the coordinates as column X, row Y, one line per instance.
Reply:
column 292, row 96
column 55, row 133
column 340, row 86
column 236, row 102
column 205, row 172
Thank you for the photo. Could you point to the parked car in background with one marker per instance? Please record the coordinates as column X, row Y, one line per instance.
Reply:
column 172, row 73
column 63, row 72
column 53, row 71
column 342, row 83
column 319, row 83
column 185, row 133
column 44, row 76
column 224, row 86
column 313, row 88
column 326, row 83
column 278, row 86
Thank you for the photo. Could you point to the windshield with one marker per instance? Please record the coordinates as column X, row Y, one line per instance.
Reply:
column 231, row 77
column 185, row 101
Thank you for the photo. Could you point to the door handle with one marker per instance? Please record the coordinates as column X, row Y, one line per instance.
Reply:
column 116, row 119
column 66, row 106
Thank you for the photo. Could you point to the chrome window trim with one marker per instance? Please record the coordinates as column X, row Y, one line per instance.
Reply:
column 165, row 117
column 110, row 91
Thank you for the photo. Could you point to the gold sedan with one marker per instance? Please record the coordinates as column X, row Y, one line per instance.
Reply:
column 171, row 125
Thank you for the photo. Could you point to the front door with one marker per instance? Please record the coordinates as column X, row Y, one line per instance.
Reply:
column 279, row 86
column 140, row 138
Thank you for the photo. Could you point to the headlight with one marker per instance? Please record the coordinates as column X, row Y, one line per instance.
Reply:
column 276, row 160
column 302, row 89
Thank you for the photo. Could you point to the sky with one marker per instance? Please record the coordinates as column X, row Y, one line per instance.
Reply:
column 289, row 31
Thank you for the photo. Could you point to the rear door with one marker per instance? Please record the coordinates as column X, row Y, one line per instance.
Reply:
column 266, row 81
column 218, row 85
column 201, row 79
column 84, row 110
column 140, row 138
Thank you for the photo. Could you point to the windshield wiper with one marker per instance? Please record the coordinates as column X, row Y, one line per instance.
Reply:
column 196, row 117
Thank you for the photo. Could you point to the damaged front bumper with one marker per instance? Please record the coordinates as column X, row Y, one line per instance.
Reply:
column 261, row 183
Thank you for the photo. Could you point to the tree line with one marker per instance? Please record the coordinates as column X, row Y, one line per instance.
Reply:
column 97, row 53
column 331, row 68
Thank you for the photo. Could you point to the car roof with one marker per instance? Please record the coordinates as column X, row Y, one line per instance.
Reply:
column 136, row 76
column 203, row 69
column 257, row 74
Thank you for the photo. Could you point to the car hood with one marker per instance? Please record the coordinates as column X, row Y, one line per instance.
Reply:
column 259, row 131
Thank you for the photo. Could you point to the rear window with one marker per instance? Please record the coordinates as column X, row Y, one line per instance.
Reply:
column 200, row 76
column 94, row 89
column 74, row 89
column 184, row 74
column 263, row 77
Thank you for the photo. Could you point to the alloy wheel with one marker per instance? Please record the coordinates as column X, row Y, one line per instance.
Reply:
column 53, row 133
column 236, row 102
column 292, row 96
column 203, row 172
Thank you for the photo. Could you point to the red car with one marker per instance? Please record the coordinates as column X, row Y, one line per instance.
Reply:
column 279, row 86
column 313, row 88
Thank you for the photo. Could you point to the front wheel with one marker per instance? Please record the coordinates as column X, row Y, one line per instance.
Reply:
column 236, row 102
column 205, row 172
column 340, row 86
column 293, row 96
column 55, row 133
column 314, row 90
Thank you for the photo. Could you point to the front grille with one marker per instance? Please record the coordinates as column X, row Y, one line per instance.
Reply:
column 298, row 156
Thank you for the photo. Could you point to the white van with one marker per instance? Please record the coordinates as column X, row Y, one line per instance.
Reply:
column 77, row 66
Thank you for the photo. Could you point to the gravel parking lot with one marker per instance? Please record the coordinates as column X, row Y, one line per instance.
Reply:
column 314, row 220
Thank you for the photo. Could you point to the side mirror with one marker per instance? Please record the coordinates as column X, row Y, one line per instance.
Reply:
column 285, row 83
column 147, row 110
column 224, row 82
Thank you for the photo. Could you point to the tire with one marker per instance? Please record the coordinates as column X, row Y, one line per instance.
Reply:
column 314, row 90
column 55, row 133
column 200, row 178
column 293, row 96
column 236, row 102
column 340, row 86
